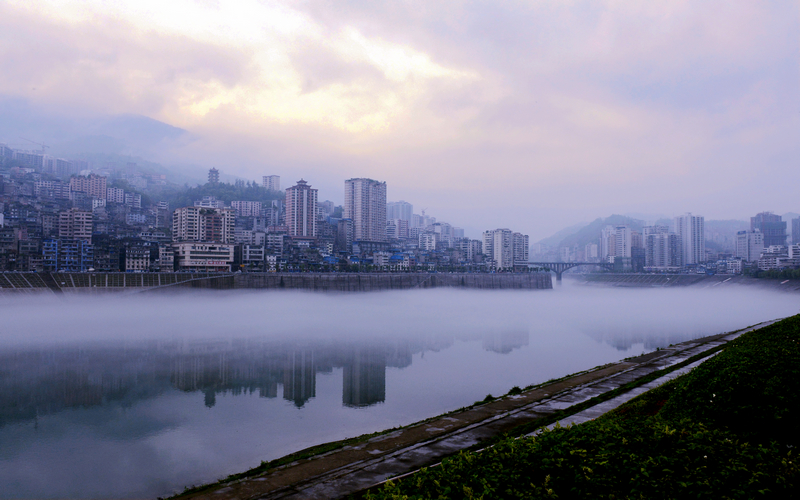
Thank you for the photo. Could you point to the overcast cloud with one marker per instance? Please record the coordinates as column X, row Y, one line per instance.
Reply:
column 528, row 115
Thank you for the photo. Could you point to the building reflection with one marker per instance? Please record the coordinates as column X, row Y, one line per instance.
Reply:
column 38, row 381
column 299, row 377
column 364, row 377
column 506, row 341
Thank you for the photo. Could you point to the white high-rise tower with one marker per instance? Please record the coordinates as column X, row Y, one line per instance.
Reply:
column 365, row 205
column 692, row 233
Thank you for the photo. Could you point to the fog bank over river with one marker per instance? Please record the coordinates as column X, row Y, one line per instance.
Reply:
column 140, row 395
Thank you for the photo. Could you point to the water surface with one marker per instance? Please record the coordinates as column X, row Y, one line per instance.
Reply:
column 141, row 395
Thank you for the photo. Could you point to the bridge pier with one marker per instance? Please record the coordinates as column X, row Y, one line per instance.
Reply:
column 558, row 276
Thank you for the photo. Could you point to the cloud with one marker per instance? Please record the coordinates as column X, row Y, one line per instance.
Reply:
column 579, row 107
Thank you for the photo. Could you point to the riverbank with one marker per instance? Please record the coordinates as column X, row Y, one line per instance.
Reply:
column 634, row 280
column 339, row 469
column 727, row 429
column 321, row 282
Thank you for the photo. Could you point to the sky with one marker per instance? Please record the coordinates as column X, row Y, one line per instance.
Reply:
column 528, row 115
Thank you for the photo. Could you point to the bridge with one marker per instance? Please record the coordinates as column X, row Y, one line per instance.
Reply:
column 560, row 267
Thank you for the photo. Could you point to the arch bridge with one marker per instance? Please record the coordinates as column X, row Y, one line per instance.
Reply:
column 560, row 267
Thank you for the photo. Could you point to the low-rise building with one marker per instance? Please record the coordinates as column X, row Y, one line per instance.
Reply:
column 136, row 259
column 166, row 258
column 203, row 257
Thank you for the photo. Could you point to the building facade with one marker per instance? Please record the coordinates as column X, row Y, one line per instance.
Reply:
column 203, row 224
column 691, row 231
column 74, row 224
column 94, row 185
column 203, row 257
column 771, row 226
column 503, row 248
column 365, row 205
column 749, row 245
column 247, row 208
column 272, row 182
column 796, row 231
column 301, row 210
column 399, row 210
column 662, row 250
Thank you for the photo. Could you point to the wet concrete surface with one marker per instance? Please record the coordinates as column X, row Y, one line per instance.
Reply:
column 355, row 468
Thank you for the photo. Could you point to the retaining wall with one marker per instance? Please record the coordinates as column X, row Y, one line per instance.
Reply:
column 339, row 282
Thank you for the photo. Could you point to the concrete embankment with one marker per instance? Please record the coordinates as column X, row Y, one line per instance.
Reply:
column 683, row 280
column 331, row 282
column 362, row 282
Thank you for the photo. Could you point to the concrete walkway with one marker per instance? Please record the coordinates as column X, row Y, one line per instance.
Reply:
column 354, row 468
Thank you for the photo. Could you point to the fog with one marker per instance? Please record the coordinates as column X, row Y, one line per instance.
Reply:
column 148, row 393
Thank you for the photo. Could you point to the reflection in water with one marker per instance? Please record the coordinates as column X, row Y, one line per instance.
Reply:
column 41, row 381
column 364, row 377
column 505, row 342
column 299, row 377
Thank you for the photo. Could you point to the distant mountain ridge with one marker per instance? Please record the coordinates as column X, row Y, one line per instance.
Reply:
column 23, row 125
column 584, row 234
column 590, row 233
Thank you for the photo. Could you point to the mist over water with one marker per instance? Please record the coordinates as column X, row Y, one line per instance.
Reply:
column 141, row 395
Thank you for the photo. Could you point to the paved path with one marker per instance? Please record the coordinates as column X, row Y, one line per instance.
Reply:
column 354, row 468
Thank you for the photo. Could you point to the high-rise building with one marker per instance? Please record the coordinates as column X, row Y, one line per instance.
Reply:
column 617, row 241
column 94, row 185
column 503, row 248
column 772, row 226
column 796, row 231
column 662, row 249
column 397, row 229
column 749, row 245
column 75, row 224
column 247, row 208
column 608, row 242
column 691, row 231
column 203, row 224
column 213, row 176
column 325, row 208
column 301, row 210
column 344, row 235
column 399, row 210
column 272, row 182
column 427, row 241
column 623, row 241
column 365, row 204
column 58, row 166
column 521, row 247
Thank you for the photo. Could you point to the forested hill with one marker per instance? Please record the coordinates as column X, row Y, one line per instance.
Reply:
column 225, row 192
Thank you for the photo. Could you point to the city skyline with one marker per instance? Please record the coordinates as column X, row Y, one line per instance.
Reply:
column 571, row 110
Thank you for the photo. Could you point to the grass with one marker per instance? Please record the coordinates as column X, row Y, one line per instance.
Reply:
column 728, row 429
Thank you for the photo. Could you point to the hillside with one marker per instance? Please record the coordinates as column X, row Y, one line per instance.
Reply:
column 591, row 232
column 224, row 192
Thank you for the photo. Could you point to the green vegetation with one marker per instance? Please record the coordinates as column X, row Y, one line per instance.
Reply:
column 785, row 274
column 728, row 429
column 225, row 192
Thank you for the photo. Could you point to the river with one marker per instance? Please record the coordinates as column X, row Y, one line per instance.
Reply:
column 128, row 396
